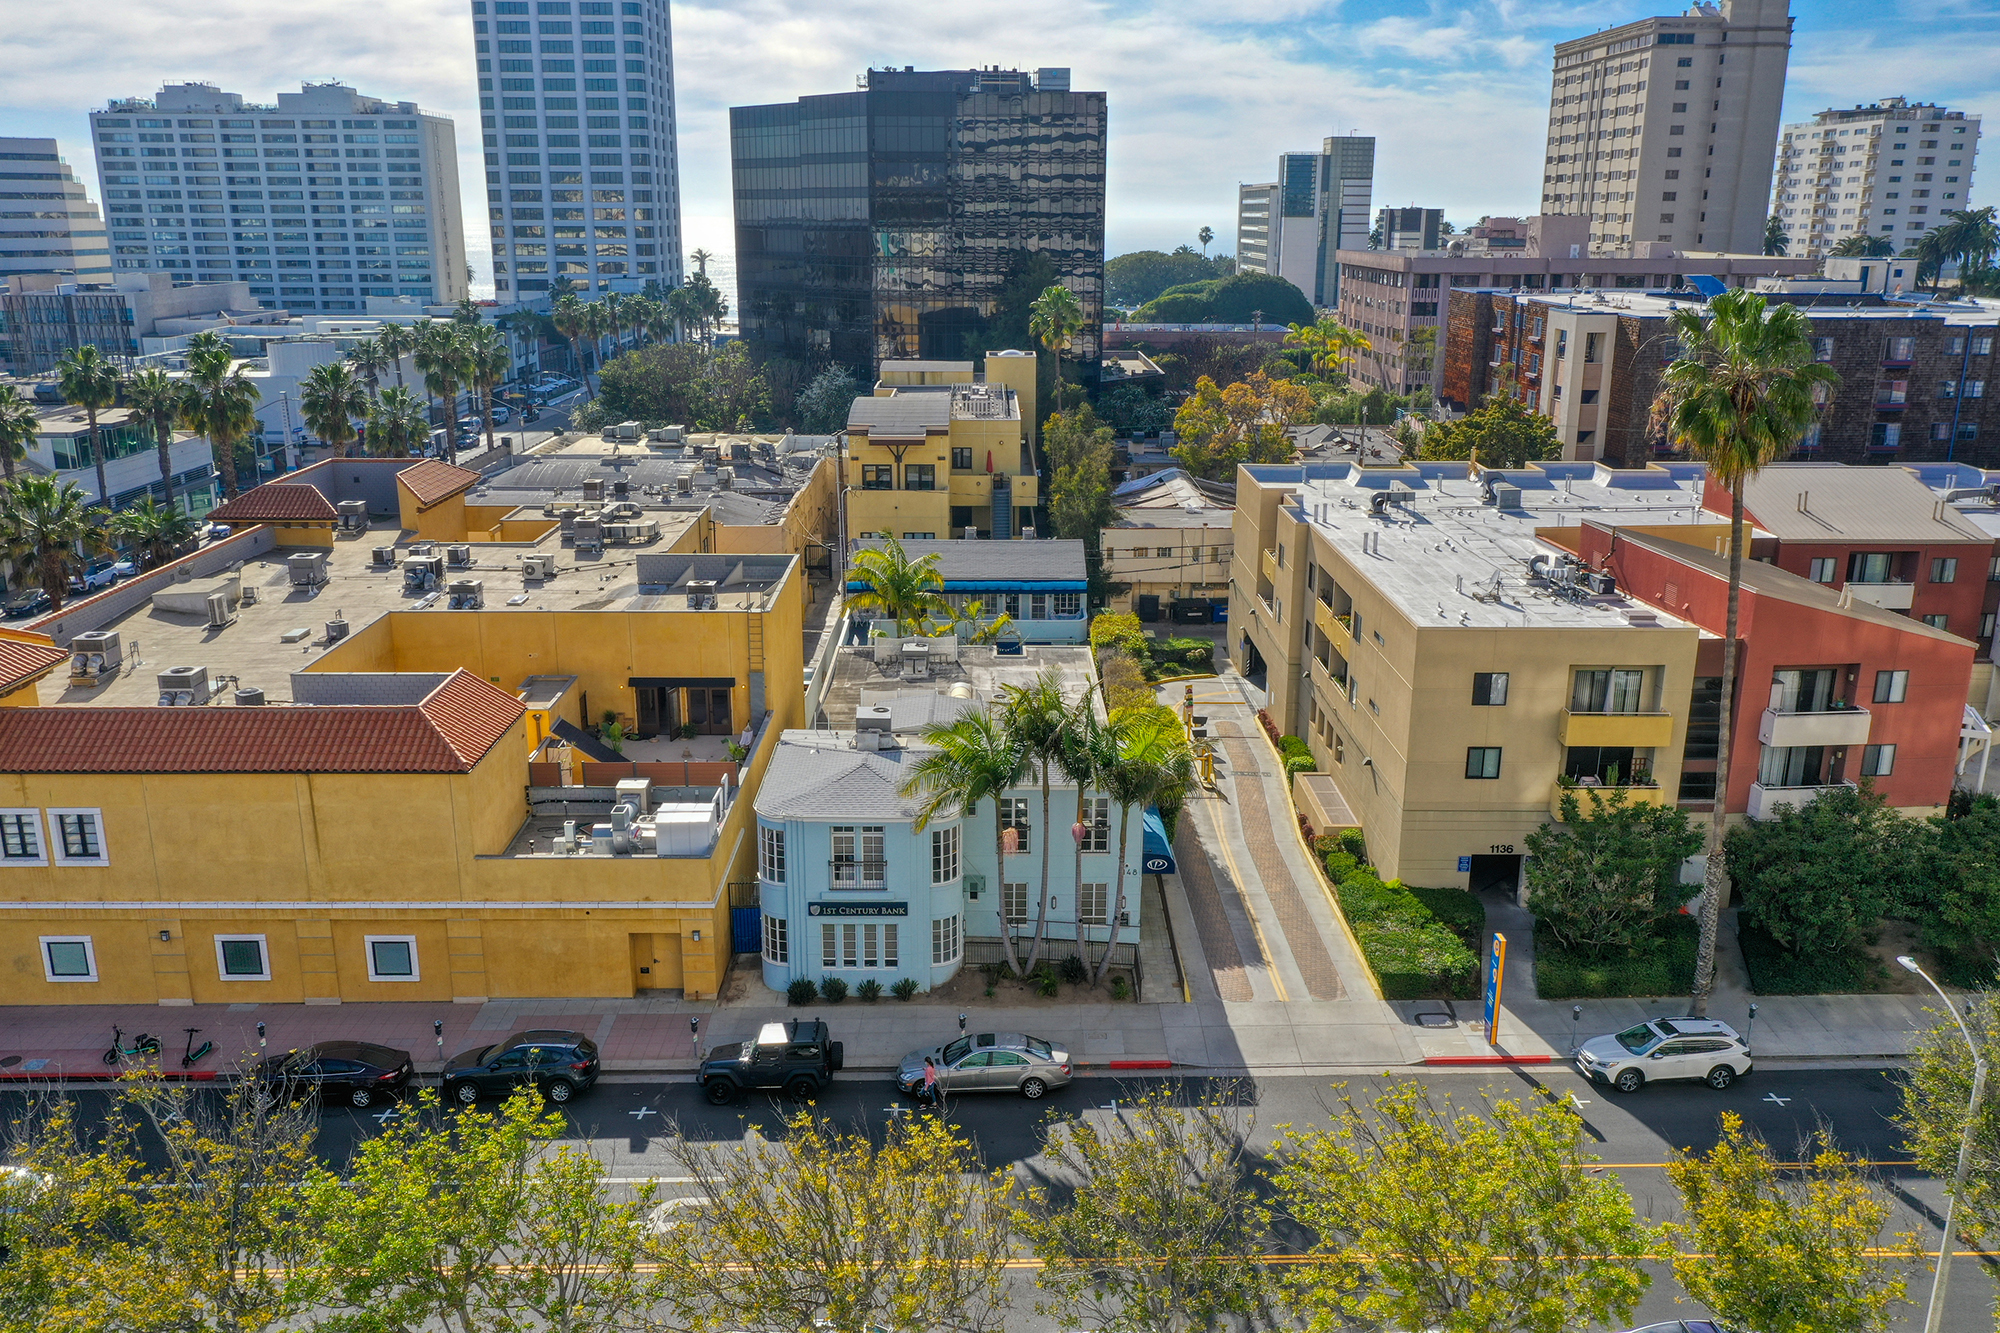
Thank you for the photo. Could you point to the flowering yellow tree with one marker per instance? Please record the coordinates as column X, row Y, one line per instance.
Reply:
column 1244, row 423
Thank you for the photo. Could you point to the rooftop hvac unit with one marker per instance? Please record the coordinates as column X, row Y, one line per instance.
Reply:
column 336, row 629
column 593, row 488
column 422, row 548
column 248, row 594
column 308, row 568
column 385, row 556
column 183, row 687
column 684, row 483
column 1507, row 497
column 666, row 434
column 971, row 533
column 621, row 487
column 422, row 573
column 589, row 534
column 97, row 653
column 353, row 515
column 701, row 595
column 466, row 594
column 624, row 430
column 539, row 566
column 636, row 793
column 725, row 478
column 219, row 612
column 646, row 530
column 249, row 696
column 458, row 556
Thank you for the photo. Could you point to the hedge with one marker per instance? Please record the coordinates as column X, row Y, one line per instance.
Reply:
column 1666, row 967
column 1776, row 970
column 1120, row 630
column 1414, row 953
column 1194, row 654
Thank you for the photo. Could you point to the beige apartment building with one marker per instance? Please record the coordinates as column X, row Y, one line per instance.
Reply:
column 1885, row 169
column 1170, row 548
column 1662, row 131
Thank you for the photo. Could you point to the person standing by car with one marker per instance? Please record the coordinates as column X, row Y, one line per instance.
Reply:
column 931, row 1093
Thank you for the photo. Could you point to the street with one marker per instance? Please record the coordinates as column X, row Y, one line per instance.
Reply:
column 631, row 1122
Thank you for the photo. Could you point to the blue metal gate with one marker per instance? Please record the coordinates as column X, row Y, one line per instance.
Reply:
column 746, row 929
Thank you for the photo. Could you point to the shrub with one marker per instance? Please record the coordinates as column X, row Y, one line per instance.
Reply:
column 801, row 991
column 1600, row 880
column 1339, row 865
column 1776, row 970
column 1414, row 954
column 1270, row 727
column 868, row 991
column 1816, row 878
column 1049, row 987
column 1073, row 971
column 1124, row 681
column 1664, row 966
column 832, row 989
column 1119, row 630
column 1325, row 845
column 1354, row 844
column 1458, row 909
column 1120, row 989
column 1192, row 654
column 904, row 989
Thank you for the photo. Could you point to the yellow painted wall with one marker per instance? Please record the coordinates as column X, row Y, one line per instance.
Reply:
column 303, row 534
column 27, row 696
column 444, row 521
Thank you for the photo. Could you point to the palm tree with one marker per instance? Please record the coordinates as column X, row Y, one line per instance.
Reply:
column 1862, row 247
column 158, row 398
column 903, row 590
column 466, row 312
column 699, row 259
column 641, row 313
column 1930, row 252
column 572, row 321
column 611, row 307
column 42, row 523
column 396, row 422
column 1331, row 344
column 598, row 322
column 1152, row 763
column 1039, row 718
column 971, row 759
column 1084, row 754
column 683, row 309
column 489, row 358
column 154, row 530
column 220, row 402
column 369, row 359
column 1776, row 241
column 329, row 400
column 1740, row 395
column 441, row 356
column 19, row 425
column 396, row 341
column 1205, row 235
column 659, row 319
column 972, row 618
column 1055, row 317
column 1969, row 235
column 92, row 383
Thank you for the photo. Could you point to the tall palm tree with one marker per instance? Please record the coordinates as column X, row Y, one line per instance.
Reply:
column 220, row 404
column 641, row 312
column 1740, row 396
column 158, row 399
column 904, row 590
column 154, row 530
column 369, row 359
column 397, row 422
column 42, row 523
column 700, row 258
column 597, row 324
column 1969, row 235
column 441, row 356
column 572, row 320
column 1776, row 240
column 329, row 400
column 683, row 309
column 1039, row 719
column 1152, row 764
column 489, row 358
column 19, row 425
column 396, row 341
column 466, row 312
column 659, row 319
column 1084, row 755
column 1331, row 344
column 92, row 383
column 970, row 760
column 1055, row 318
column 612, row 307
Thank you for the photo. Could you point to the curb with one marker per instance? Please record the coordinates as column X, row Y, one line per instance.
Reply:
column 1139, row 1064
column 1450, row 1060
column 62, row 1076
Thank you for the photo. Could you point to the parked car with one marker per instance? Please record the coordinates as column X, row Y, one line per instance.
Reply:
column 1666, row 1048
column 989, row 1062
column 798, row 1057
column 26, row 602
column 96, row 575
column 126, row 568
column 354, row 1073
column 559, row 1063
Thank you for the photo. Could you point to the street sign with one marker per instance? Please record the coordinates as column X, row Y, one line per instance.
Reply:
column 1464, row 865
column 1496, row 964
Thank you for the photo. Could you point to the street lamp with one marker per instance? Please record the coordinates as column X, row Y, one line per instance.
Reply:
column 1935, row 1313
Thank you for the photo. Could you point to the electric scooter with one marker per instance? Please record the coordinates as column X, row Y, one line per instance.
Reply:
column 195, row 1053
column 141, row 1045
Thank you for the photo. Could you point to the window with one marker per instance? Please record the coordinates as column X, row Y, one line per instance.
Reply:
column 777, row 944
column 1489, row 689
column 1944, row 569
column 771, row 855
column 21, row 838
column 1890, row 686
column 1093, row 904
column 242, row 958
column 1878, row 761
column 78, row 837
column 920, row 477
column 1014, row 823
column 1898, row 349
column 1014, row 903
column 1612, row 691
column 1869, row 567
column 944, row 855
column 1822, row 569
column 391, row 957
column 946, row 940
column 1095, row 816
column 878, row 477
column 961, row 459
column 857, row 856
column 1482, row 761
column 1936, row 621
column 829, row 946
column 68, row 958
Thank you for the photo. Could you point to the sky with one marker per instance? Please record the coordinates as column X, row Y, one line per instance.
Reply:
column 1203, row 94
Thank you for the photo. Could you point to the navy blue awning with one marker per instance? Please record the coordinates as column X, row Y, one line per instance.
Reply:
column 1158, row 852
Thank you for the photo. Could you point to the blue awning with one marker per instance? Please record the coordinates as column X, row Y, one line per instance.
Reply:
column 1158, row 852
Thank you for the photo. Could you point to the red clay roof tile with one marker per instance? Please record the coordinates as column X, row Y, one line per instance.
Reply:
column 434, row 479
column 25, row 658
column 276, row 502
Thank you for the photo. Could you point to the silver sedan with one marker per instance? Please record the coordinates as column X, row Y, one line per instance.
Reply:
column 988, row 1062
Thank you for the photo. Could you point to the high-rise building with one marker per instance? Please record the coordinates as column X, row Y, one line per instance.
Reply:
column 915, row 218
column 576, row 104
column 318, row 202
column 1409, row 228
column 47, row 224
column 1662, row 131
column 1318, row 206
column 1885, row 169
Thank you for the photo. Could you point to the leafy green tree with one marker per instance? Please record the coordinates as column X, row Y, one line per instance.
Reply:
column 1499, row 433
column 1936, row 1097
column 1232, row 300
column 1818, row 876
column 1602, row 878
column 681, row 384
column 1782, row 1250
column 19, row 425
column 69, row 1218
column 221, row 402
column 1079, row 457
column 1330, row 344
column 1461, row 1221
column 1244, row 423
column 1130, row 410
column 1955, row 898
column 1739, row 396
column 1132, row 279
column 1148, row 1231
column 899, row 588
column 92, row 383
column 823, row 404
column 968, row 761
column 1776, row 242
column 43, row 522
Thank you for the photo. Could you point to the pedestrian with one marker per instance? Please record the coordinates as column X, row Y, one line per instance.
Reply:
column 931, row 1092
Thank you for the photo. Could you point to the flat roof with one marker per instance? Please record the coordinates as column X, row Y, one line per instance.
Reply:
column 1658, row 305
column 915, row 408
column 858, row 678
column 758, row 488
column 976, row 564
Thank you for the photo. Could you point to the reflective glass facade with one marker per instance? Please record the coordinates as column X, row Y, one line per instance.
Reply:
column 886, row 223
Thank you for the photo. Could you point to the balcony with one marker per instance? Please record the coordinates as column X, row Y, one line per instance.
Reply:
column 850, row 873
column 1592, row 798
column 1764, row 801
column 1267, row 565
column 1835, row 727
column 1641, row 731
column 1338, row 629
column 1895, row 595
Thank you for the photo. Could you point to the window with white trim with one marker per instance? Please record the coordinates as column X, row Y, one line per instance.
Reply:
column 1093, row 904
column 1014, row 902
column 77, row 835
column 1891, row 686
column 867, row 945
column 1822, row 569
column 944, row 855
column 391, row 957
column 777, row 945
column 69, row 958
column 946, row 940
column 242, row 958
column 771, row 854
column 21, row 838
column 1096, row 821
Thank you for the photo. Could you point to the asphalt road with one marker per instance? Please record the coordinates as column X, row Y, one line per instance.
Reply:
column 631, row 1122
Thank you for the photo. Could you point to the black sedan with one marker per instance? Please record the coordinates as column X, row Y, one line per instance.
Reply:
column 356, row 1073
column 561, row 1064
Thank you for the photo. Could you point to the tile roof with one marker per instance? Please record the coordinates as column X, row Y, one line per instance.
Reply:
column 434, row 479
column 448, row 732
column 276, row 502
column 26, row 657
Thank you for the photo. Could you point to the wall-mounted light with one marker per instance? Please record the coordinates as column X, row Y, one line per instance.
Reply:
column 166, row 935
column 697, row 937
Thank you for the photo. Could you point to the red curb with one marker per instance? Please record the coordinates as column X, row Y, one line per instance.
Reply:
column 1489, row 1059
column 1140, row 1064
column 60, row 1076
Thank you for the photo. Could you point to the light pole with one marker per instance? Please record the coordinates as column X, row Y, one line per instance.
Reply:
column 1935, row 1313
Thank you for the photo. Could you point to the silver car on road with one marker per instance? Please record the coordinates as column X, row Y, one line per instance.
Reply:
column 988, row 1062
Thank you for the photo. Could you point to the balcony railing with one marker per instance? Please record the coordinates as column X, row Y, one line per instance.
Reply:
column 849, row 873
column 1641, row 731
column 1592, row 798
column 1764, row 801
column 1835, row 726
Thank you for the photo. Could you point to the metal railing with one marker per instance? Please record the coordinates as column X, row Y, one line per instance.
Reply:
column 856, row 873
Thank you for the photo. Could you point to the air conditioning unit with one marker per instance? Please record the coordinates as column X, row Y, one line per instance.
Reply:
column 458, row 556
column 308, row 568
column 183, row 687
column 219, row 612
column 466, row 594
column 422, row 573
column 422, row 548
column 385, row 556
column 589, row 534
column 701, row 594
column 541, row 567
column 336, row 629
column 684, row 483
column 593, row 488
column 353, row 515
column 96, row 654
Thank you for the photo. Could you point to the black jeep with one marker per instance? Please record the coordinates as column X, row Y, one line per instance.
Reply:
column 797, row 1057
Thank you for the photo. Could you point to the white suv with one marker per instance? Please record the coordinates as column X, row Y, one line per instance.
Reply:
column 1663, row 1048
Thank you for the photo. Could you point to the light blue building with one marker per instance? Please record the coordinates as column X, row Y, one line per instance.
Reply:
column 1041, row 584
column 850, row 888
